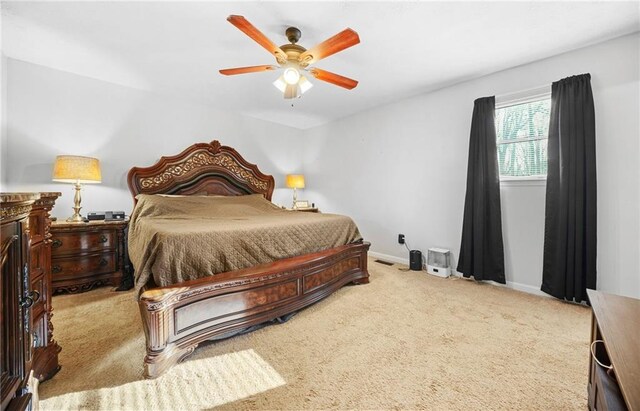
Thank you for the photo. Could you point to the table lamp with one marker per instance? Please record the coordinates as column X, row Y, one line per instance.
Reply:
column 76, row 170
column 295, row 181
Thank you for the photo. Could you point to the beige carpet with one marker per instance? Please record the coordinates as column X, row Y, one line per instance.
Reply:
column 406, row 340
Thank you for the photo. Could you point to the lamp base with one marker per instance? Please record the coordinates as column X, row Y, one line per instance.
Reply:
column 76, row 217
column 295, row 199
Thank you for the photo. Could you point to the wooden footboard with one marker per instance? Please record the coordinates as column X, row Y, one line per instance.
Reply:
column 178, row 318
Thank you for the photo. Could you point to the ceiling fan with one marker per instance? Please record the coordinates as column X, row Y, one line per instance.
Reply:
column 295, row 59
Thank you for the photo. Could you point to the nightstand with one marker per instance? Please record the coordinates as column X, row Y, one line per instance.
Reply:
column 88, row 255
column 306, row 210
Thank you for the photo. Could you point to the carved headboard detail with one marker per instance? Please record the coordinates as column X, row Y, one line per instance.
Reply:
column 202, row 168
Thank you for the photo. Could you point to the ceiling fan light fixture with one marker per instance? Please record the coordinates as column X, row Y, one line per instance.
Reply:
column 280, row 84
column 292, row 91
column 291, row 76
column 304, row 84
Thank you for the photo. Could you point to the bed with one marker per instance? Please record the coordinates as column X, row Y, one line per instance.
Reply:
column 180, row 310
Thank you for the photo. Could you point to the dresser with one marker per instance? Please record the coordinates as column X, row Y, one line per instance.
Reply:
column 88, row 255
column 18, row 299
column 45, row 348
column 615, row 341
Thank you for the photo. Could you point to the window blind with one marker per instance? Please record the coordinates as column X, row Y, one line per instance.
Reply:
column 522, row 130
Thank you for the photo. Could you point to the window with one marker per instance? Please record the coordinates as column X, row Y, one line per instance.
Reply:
column 522, row 129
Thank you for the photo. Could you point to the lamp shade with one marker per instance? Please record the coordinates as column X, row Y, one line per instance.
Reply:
column 295, row 181
column 72, row 169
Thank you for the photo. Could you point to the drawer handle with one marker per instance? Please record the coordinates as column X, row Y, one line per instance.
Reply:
column 35, row 295
column 103, row 238
column 56, row 243
column 26, row 302
column 593, row 354
column 103, row 262
column 56, row 269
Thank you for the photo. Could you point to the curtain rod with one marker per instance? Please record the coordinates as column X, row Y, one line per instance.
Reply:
column 529, row 91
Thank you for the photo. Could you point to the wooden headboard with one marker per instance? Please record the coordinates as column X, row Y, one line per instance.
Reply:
column 206, row 169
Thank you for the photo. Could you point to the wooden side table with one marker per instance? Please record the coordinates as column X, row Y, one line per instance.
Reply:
column 306, row 210
column 88, row 255
column 614, row 342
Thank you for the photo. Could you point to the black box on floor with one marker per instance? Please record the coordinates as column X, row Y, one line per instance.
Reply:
column 415, row 260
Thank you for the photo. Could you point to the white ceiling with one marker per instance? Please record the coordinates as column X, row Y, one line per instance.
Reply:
column 406, row 48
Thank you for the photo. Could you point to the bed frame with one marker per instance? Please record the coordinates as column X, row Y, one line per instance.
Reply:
column 177, row 318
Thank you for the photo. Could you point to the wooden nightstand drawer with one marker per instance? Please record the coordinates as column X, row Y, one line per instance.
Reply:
column 68, row 268
column 305, row 210
column 88, row 255
column 80, row 242
column 308, row 210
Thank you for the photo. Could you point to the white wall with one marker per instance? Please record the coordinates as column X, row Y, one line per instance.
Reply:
column 51, row 112
column 401, row 168
column 3, row 123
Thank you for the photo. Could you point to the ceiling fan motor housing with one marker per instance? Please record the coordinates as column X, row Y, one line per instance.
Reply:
column 293, row 34
column 293, row 51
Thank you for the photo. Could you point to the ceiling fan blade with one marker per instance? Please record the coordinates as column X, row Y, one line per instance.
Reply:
column 339, row 42
column 244, row 70
column 251, row 31
column 333, row 78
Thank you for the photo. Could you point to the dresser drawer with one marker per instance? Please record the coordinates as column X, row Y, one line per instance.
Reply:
column 89, row 255
column 65, row 243
column 607, row 395
column 69, row 268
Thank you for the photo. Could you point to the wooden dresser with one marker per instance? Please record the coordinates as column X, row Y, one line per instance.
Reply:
column 46, row 349
column 88, row 255
column 18, row 299
column 616, row 327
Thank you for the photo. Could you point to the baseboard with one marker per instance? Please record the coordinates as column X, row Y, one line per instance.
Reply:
column 510, row 284
column 527, row 289
column 390, row 258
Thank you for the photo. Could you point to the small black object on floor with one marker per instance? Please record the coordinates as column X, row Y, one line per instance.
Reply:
column 415, row 260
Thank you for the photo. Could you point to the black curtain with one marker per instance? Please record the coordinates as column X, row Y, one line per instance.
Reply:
column 569, row 266
column 482, row 251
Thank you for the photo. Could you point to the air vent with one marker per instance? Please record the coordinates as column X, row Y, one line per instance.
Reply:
column 383, row 262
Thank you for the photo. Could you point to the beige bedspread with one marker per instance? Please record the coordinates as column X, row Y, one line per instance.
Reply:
column 175, row 238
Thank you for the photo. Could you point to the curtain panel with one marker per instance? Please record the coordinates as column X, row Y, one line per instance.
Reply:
column 569, row 266
column 481, row 249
